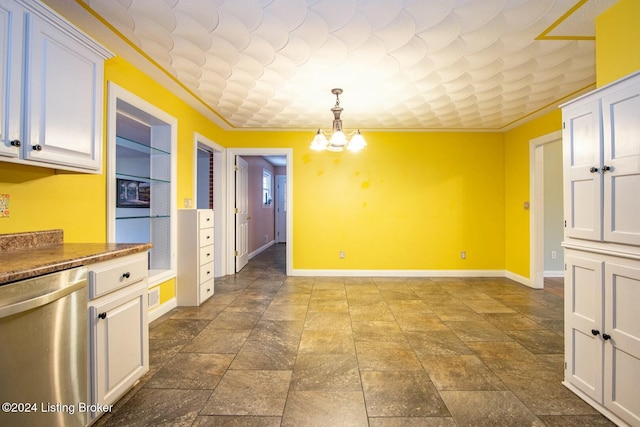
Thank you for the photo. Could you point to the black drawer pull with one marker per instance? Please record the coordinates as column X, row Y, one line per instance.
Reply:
column 102, row 315
column 126, row 275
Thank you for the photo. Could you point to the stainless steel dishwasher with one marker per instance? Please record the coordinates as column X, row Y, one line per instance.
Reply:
column 43, row 350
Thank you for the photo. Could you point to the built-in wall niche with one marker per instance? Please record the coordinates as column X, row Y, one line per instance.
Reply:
column 142, row 175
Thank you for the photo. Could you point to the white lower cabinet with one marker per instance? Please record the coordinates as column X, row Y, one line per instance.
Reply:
column 602, row 332
column 118, row 328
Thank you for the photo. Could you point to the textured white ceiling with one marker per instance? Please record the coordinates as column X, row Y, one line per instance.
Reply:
column 403, row 64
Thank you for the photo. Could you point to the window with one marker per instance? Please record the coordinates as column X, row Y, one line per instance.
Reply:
column 267, row 197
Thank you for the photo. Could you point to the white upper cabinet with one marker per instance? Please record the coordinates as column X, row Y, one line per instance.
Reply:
column 11, row 20
column 55, row 98
column 601, row 133
column 621, row 173
column 583, row 157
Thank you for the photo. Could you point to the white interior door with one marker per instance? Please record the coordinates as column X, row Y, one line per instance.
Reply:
column 281, row 208
column 242, row 213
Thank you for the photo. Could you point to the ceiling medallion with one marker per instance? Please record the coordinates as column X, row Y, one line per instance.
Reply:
column 337, row 140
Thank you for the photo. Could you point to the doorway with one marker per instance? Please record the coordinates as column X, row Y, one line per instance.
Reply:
column 231, row 154
column 546, row 230
column 209, row 193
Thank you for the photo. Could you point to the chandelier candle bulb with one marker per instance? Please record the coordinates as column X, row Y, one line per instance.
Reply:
column 337, row 140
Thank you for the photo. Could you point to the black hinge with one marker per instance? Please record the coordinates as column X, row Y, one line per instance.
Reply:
column 562, row 125
column 565, row 223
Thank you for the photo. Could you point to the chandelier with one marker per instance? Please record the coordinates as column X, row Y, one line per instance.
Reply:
column 337, row 140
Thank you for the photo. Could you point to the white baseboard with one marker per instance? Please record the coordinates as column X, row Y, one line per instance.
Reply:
column 399, row 273
column 261, row 249
column 518, row 278
column 162, row 309
column 554, row 273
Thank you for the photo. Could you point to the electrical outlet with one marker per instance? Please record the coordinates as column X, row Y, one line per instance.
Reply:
column 463, row 255
column 554, row 255
column 341, row 254
column 187, row 202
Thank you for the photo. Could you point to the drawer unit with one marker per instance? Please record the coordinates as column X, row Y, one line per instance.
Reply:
column 195, row 256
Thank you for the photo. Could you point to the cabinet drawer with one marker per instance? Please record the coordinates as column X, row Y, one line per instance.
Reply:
column 205, row 218
column 110, row 276
column 206, row 272
column 206, row 237
column 206, row 290
column 206, row 254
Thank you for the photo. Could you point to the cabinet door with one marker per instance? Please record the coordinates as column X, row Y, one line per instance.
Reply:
column 64, row 84
column 583, row 323
column 621, row 125
column 11, row 17
column 119, row 342
column 622, row 351
column 582, row 152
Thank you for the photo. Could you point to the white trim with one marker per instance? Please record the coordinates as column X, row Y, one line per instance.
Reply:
column 261, row 249
column 231, row 154
column 551, row 273
column 162, row 309
column 536, row 216
column 400, row 273
column 518, row 278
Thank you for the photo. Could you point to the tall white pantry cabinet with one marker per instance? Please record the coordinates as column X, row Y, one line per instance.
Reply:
column 601, row 150
column 195, row 256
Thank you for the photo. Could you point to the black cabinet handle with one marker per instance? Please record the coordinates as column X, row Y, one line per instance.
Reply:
column 126, row 275
column 606, row 168
column 595, row 332
column 606, row 337
column 37, row 147
column 16, row 143
column 102, row 315
column 593, row 169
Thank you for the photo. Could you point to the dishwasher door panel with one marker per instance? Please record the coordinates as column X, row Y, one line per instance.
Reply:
column 43, row 353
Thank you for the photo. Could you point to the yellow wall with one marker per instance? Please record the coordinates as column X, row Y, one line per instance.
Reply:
column 409, row 201
column 618, row 41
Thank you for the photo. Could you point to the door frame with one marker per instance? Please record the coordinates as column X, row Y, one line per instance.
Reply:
column 536, row 219
column 231, row 154
column 278, row 197
column 219, row 190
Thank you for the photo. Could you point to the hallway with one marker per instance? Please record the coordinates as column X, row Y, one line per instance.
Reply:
column 271, row 350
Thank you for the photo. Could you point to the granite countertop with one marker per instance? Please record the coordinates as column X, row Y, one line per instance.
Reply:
column 26, row 255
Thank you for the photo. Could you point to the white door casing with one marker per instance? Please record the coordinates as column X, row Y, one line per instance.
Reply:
column 242, row 213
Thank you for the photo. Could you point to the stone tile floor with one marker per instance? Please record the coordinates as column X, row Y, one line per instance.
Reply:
column 271, row 350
